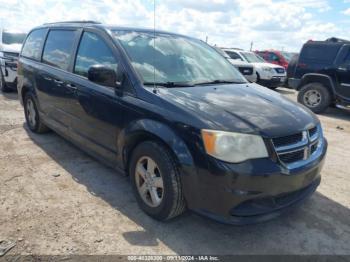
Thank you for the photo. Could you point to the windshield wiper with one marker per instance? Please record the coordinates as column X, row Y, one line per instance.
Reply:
column 218, row 81
column 169, row 84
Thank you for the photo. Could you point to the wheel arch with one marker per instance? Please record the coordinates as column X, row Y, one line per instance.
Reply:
column 25, row 89
column 147, row 129
column 318, row 78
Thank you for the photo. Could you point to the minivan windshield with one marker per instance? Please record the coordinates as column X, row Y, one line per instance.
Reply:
column 168, row 59
column 9, row 38
column 252, row 57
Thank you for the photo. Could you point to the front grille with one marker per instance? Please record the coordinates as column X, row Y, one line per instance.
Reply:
column 246, row 70
column 314, row 148
column 292, row 156
column 11, row 55
column 280, row 70
column 313, row 131
column 297, row 147
column 287, row 140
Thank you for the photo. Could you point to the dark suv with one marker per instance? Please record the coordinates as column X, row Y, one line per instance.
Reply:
column 176, row 116
column 321, row 74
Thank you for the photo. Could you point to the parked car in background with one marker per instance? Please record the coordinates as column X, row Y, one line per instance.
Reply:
column 10, row 46
column 173, row 114
column 269, row 75
column 322, row 74
column 246, row 69
column 281, row 58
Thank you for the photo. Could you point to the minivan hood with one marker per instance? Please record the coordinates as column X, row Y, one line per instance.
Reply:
column 246, row 108
column 14, row 48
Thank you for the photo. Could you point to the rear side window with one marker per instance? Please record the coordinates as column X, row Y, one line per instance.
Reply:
column 93, row 51
column 32, row 46
column 58, row 48
column 320, row 53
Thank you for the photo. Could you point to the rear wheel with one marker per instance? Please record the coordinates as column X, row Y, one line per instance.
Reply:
column 31, row 113
column 156, row 181
column 315, row 96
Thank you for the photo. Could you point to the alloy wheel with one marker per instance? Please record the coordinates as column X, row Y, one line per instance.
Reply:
column 149, row 181
column 31, row 113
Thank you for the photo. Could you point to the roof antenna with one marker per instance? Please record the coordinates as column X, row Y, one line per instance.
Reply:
column 154, row 47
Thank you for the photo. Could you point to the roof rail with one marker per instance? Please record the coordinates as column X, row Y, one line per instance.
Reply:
column 75, row 22
column 233, row 48
column 336, row 40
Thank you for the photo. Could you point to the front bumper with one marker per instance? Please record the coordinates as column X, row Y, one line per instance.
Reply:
column 275, row 81
column 256, row 190
column 9, row 72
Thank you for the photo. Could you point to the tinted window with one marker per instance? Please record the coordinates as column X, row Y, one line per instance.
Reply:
column 347, row 58
column 93, row 51
column 322, row 53
column 58, row 47
column 233, row 55
column 32, row 46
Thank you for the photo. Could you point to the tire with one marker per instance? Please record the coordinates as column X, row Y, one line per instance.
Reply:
column 31, row 113
column 3, row 86
column 257, row 77
column 172, row 201
column 315, row 96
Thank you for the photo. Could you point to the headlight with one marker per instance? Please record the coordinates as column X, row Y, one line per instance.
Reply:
column 233, row 147
column 267, row 69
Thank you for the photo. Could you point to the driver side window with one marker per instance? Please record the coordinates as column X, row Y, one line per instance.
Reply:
column 93, row 51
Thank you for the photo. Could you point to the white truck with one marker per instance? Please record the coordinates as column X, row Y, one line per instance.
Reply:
column 10, row 47
column 246, row 69
column 268, row 75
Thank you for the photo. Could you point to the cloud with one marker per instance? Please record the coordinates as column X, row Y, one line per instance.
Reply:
column 346, row 11
column 232, row 23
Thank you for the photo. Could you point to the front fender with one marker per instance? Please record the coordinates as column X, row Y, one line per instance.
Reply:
column 145, row 129
column 142, row 129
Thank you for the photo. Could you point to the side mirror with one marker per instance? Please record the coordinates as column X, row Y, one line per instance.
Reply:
column 103, row 75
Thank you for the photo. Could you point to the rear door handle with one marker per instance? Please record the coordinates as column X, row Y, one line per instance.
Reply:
column 72, row 86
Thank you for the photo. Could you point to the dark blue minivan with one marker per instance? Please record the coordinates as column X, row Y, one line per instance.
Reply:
column 173, row 114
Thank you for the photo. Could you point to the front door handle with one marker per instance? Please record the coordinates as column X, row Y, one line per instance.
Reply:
column 58, row 81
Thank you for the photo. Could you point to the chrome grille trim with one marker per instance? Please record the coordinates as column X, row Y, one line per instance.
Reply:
column 309, row 139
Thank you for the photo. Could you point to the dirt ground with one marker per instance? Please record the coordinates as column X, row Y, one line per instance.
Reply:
column 55, row 200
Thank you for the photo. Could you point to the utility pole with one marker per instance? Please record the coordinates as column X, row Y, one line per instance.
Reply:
column 206, row 39
column 251, row 46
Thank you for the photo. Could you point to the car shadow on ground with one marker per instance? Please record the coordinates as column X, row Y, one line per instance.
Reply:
column 285, row 91
column 10, row 95
column 337, row 113
column 319, row 226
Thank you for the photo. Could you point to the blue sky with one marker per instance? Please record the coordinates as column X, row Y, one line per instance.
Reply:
column 278, row 24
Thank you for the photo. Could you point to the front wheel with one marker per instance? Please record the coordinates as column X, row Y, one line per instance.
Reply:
column 156, row 182
column 315, row 96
